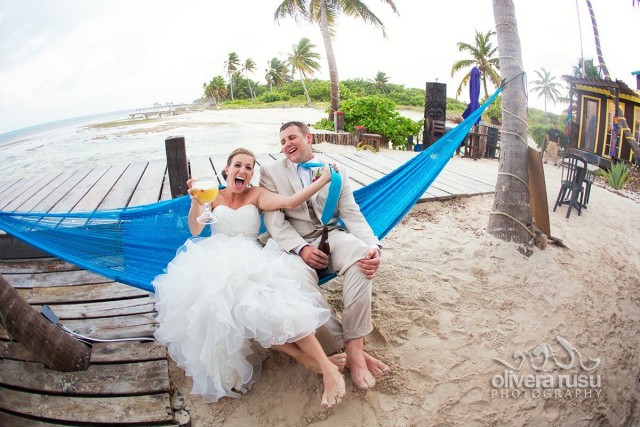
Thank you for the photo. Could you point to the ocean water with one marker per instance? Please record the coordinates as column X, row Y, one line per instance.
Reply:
column 75, row 144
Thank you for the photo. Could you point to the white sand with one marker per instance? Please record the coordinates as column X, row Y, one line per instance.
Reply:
column 449, row 299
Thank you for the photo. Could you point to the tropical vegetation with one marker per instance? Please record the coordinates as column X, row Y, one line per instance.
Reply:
column 546, row 86
column 324, row 13
column 303, row 60
column 482, row 55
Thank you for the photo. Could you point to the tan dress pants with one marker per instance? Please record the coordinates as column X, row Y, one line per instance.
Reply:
column 346, row 250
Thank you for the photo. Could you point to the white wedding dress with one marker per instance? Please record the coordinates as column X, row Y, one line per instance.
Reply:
column 222, row 294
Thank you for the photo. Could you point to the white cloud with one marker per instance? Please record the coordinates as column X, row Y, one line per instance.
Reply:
column 72, row 58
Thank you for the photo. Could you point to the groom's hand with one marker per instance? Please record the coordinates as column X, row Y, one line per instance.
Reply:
column 370, row 263
column 314, row 257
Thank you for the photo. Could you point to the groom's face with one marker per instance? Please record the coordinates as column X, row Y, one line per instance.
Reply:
column 296, row 146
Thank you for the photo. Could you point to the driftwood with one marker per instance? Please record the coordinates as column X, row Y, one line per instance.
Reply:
column 47, row 342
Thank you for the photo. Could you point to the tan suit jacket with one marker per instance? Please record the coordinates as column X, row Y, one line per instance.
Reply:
column 291, row 228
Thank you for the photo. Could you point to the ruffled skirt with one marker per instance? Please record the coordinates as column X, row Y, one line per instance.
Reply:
column 218, row 298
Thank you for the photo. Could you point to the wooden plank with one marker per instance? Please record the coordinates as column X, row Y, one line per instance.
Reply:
column 20, row 194
column 120, row 379
column 132, row 326
column 127, row 410
column 539, row 207
column 61, row 191
column 109, row 328
column 103, row 309
column 219, row 161
column 53, row 279
column 96, row 194
column 80, row 293
column 102, row 352
column 354, row 166
column 201, row 167
column 35, row 265
column 73, row 197
column 17, row 421
column 45, row 191
column 122, row 190
column 150, row 186
column 8, row 185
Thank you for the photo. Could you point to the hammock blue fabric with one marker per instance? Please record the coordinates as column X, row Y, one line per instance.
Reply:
column 133, row 245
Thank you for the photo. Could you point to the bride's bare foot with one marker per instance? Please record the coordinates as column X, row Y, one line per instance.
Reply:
column 334, row 388
column 375, row 366
column 339, row 359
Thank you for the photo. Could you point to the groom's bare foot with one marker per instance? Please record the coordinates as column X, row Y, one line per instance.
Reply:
column 334, row 388
column 357, row 364
column 375, row 366
column 339, row 359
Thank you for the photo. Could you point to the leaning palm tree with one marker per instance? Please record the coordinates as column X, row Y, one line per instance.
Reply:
column 249, row 66
column 483, row 57
column 622, row 121
column 276, row 73
column 547, row 87
column 380, row 81
column 216, row 90
column 303, row 60
column 231, row 66
column 510, row 217
column 324, row 13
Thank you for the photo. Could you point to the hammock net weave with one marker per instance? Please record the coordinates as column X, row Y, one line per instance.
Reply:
column 133, row 245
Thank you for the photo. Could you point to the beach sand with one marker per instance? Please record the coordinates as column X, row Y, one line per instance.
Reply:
column 449, row 299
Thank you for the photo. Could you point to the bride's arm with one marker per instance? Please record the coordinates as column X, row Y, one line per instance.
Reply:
column 268, row 201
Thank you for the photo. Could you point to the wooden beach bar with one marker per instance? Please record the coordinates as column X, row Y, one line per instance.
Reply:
column 128, row 382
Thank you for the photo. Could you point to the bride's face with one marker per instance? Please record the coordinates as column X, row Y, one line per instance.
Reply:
column 240, row 172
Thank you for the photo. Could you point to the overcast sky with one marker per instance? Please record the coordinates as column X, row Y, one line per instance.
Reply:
column 67, row 58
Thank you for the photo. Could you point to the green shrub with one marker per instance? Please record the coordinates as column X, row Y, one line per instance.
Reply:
column 538, row 132
column 274, row 96
column 379, row 115
column 494, row 111
column 617, row 176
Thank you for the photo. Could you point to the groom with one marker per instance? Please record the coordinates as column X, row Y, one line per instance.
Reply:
column 355, row 254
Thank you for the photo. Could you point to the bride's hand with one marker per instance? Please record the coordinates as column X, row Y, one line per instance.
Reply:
column 190, row 182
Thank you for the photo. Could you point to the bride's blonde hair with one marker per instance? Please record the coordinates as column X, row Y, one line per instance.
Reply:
column 235, row 153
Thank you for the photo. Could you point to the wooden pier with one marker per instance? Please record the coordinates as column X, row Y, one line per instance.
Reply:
column 128, row 382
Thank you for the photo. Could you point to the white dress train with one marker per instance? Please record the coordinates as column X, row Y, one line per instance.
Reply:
column 222, row 294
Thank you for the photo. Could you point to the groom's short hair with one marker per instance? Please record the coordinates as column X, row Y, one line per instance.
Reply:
column 303, row 127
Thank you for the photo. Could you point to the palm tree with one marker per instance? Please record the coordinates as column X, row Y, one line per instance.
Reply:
column 545, row 86
column 249, row 67
column 303, row 59
column 276, row 73
column 216, row 90
column 380, row 81
column 231, row 67
column 323, row 13
column 591, row 71
column 510, row 217
column 622, row 121
column 482, row 56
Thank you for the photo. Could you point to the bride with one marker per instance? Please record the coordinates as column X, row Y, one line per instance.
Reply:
column 221, row 295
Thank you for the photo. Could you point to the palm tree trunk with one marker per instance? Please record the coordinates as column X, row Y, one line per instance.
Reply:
column 510, row 218
column 304, row 86
column 622, row 121
column 231, row 84
column 47, row 342
column 331, row 59
column 545, row 109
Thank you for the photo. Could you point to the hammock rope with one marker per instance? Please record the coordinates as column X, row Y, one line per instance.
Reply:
column 133, row 245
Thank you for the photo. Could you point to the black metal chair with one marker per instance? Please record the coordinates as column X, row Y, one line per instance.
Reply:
column 572, row 192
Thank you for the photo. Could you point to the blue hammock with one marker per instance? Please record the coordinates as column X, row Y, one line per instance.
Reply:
column 133, row 245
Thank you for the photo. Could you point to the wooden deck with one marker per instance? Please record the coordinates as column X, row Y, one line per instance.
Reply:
column 128, row 382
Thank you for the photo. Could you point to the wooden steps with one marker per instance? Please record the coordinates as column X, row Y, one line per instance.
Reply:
column 127, row 383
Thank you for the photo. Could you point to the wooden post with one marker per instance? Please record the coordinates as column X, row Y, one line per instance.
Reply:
column 177, row 165
column 357, row 134
column 409, row 142
column 339, row 121
column 435, row 108
column 47, row 342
